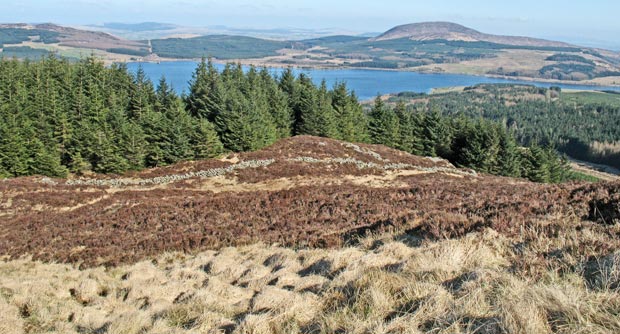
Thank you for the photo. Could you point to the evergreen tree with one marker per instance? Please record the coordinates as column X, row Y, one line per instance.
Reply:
column 205, row 141
column 278, row 105
column 536, row 167
column 44, row 161
column 317, row 116
column 199, row 90
column 508, row 156
column 243, row 127
column 166, row 96
column 177, row 145
column 14, row 157
column 350, row 119
column 105, row 155
column 432, row 133
column 417, row 142
column 405, row 137
column 142, row 95
column 290, row 87
column 383, row 124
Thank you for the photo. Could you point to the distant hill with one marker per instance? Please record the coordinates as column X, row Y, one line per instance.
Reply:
column 137, row 27
column 455, row 32
column 438, row 47
column 29, row 38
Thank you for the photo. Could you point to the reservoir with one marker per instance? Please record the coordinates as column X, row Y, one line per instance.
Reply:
column 366, row 83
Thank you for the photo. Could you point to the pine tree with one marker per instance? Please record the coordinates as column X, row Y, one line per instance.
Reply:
column 44, row 161
column 243, row 127
column 176, row 144
column 205, row 141
column 166, row 96
column 383, row 124
column 417, row 142
column 277, row 101
column 508, row 156
column 14, row 157
column 431, row 132
column 199, row 90
column 405, row 128
column 154, row 125
column 105, row 155
column 559, row 168
column 317, row 114
column 536, row 167
column 350, row 117
column 142, row 95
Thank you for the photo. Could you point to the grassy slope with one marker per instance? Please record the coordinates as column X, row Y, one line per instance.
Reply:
column 449, row 252
column 386, row 284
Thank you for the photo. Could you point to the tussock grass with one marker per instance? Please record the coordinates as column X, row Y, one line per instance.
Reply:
column 483, row 282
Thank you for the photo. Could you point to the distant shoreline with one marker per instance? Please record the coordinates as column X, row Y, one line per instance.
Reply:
column 259, row 62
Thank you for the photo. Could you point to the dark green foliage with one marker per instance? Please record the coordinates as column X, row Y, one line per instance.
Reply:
column 218, row 46
column 569, row 57
column 433, row 133
column 244, row 124
column 23, row 52
column 567, row 71
column 383, row 124
column 317, row 116
column 570, row 122
column 389, row 64
column 17, row 35
column 351, row 123
column 131, row 52
column 59, row 117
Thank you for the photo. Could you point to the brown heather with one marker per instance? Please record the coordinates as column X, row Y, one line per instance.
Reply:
column 328, row 237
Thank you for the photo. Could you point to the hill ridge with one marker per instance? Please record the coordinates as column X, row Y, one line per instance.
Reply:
column 456, row 32
column 302, row 191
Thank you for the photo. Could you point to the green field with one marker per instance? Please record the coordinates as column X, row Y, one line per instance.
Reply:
column 592, row 97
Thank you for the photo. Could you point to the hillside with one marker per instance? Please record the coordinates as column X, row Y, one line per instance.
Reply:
column 30, row 41
column 327, row 236
column 582, row 125
column 302, row 191
column 425, row 47
column 455, row 32
column 437, row 47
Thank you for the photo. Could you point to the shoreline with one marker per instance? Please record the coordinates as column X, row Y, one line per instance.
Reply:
column 261, row 63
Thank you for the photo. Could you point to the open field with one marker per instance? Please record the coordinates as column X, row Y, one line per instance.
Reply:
column 310, row 235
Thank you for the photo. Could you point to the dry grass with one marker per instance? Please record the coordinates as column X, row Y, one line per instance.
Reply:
column 386, row 284
column 427, row 249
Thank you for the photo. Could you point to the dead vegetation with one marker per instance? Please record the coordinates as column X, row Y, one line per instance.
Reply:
column 328, row 237
column 301, row 192
column 392, row 283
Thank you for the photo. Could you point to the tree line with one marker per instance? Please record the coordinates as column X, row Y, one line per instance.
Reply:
column 60, row 117
column 549, row 117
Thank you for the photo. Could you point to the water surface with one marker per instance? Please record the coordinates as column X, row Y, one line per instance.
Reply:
column 366, row 83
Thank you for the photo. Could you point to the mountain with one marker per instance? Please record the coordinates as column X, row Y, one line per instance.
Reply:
column 426, row 31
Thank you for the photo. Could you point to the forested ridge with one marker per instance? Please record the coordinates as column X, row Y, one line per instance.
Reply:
column 584, row 125
column 60, row 117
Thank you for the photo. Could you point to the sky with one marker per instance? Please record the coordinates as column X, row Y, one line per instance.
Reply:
column 593, row 22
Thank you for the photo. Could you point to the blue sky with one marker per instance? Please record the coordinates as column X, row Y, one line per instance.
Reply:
column 593, row 21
